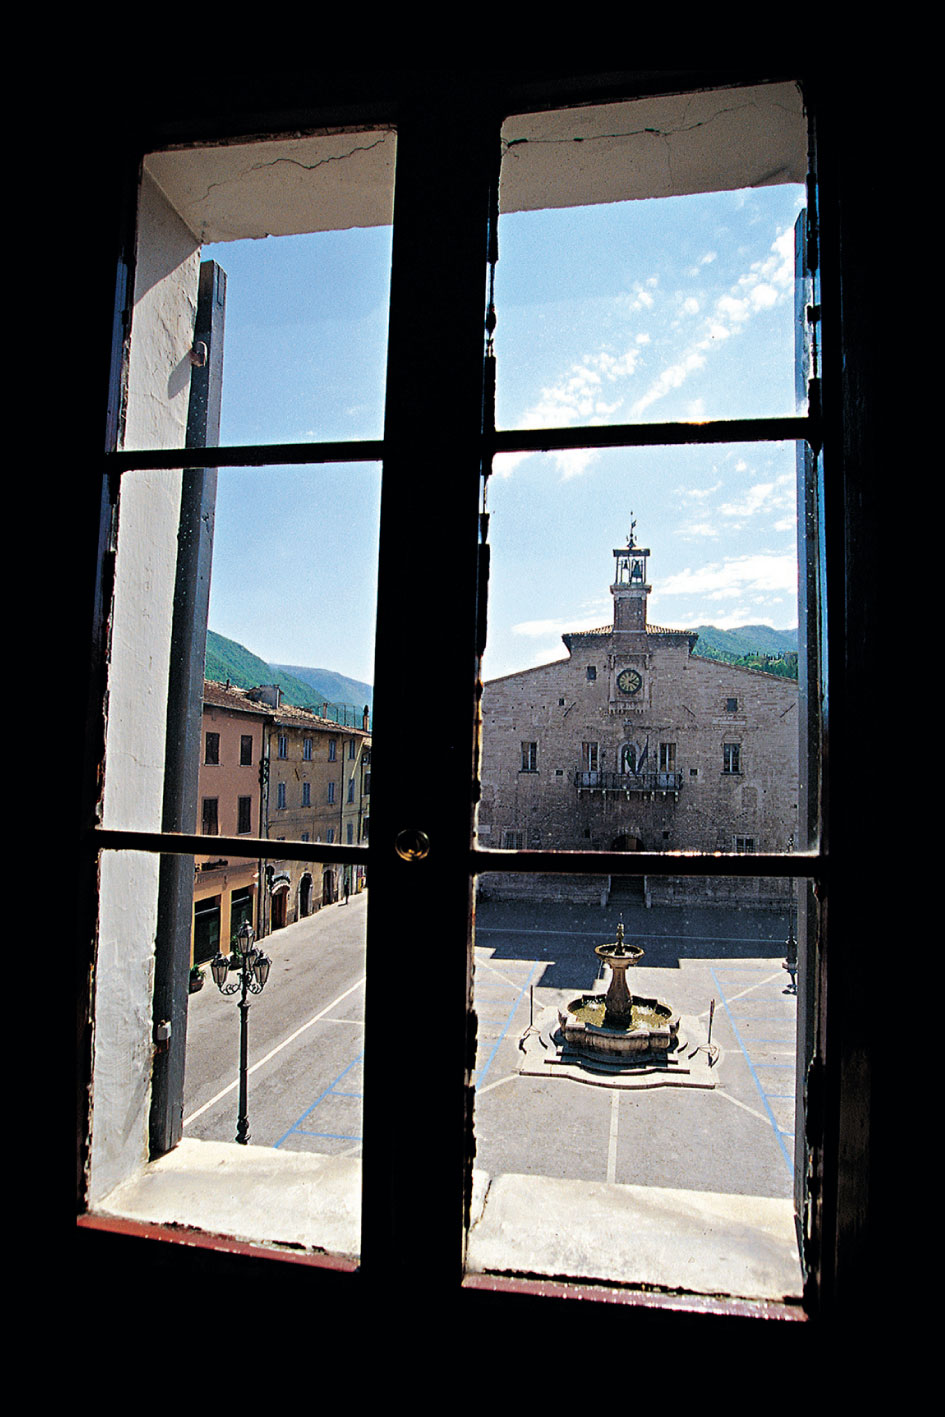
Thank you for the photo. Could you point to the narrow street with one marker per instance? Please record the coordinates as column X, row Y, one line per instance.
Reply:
column 305, row 1032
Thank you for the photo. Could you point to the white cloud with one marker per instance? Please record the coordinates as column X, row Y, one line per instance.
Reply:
column 768, row 282
column 762, row 497
column 561, row 625
column 699, row 494
column 764, row 573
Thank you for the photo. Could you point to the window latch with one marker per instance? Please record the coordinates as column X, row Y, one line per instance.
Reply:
column 412, row 845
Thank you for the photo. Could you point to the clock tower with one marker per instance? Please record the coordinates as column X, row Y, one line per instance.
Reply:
column 630, row 589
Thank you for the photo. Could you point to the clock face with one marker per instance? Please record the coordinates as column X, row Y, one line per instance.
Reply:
column 628, row 681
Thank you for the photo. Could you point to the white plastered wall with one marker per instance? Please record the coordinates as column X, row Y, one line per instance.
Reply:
column 167, row 270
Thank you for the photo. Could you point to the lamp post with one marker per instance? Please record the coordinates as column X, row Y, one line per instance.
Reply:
column 252, row 967
column 790, row 962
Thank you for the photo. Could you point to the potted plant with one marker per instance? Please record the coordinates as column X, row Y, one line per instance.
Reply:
column 196, row 978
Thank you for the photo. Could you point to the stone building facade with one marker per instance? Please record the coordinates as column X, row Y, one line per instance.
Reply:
column 636, row 743
column 319, row 790
column 230, row 803
column 271, row 770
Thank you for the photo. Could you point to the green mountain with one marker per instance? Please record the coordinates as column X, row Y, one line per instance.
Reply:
column 335, row 688
column 752, row 647
column 228, row 660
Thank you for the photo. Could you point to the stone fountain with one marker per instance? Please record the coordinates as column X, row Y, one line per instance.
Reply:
column 619, row 1026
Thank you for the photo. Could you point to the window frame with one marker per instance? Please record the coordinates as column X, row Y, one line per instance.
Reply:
column 427, row 152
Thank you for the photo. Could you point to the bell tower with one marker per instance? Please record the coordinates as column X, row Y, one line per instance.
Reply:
column 630, row 589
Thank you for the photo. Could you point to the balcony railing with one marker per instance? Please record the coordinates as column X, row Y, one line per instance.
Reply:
column 596, row 781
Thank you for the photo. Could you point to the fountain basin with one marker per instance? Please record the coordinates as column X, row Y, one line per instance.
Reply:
column 651, row 1032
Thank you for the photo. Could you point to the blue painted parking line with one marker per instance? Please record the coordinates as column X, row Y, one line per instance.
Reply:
column 504, row 1025
column 331, row 1090
column 755, row 1065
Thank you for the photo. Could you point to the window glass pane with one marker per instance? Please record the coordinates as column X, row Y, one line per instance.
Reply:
column 301, row 229
column 298, row 1181
column 306, row 1027
column 646, row 260
column 668, row 1160
column 281, row 668
column 641, row 672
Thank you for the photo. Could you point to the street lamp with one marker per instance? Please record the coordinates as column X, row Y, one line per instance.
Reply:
column 790, row 962
column 253, row 967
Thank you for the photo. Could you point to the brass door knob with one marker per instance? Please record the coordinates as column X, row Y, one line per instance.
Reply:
column 412, row 845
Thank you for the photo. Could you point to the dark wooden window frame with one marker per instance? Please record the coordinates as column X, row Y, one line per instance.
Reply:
column 447, row 126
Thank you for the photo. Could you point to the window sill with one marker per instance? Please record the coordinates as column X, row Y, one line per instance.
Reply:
column 694, row 1242
column 739, row 1249
column 251, row 1194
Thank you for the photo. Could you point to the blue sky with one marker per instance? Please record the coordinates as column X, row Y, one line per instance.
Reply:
column 646, row 310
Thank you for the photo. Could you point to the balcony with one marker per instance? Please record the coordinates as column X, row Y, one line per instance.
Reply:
column 651, row 783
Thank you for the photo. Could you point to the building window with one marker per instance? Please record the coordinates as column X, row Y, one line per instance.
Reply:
column 283, row 745
column 280, row 794
column 349, row 833
column 529, row 757
column 330, row 835
column 744, row 844
column 306, row 794
column 731, row 706
column 210, row 825
column 246, row 750
column 731, row 757
column 589, row 756
column 332, row 750
column 307, row 749
column 352, row 750
column 331, row 793
column 212, row 749
column 667, row 757
column 244, row 813
column 513, row 841
column 367, row 784
column 591, row 673
column 351, row 789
